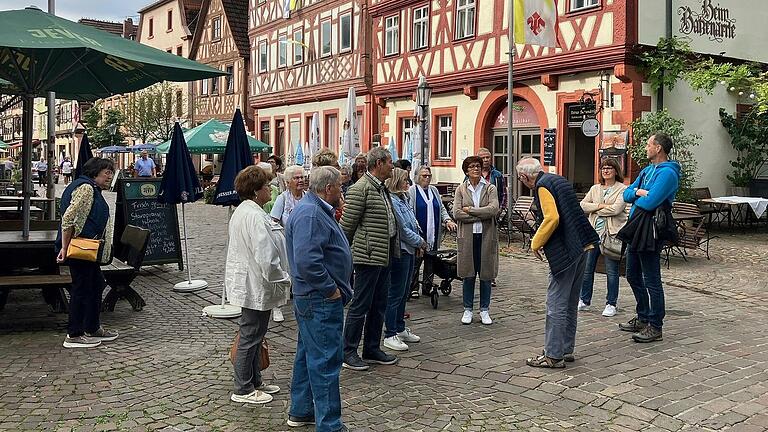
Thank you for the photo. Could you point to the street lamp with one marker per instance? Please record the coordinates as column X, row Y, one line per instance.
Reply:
column 112, row 129
column 423, row 95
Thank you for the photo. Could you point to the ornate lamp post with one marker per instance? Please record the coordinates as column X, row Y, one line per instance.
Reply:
column 112, row 129
column 423, row 95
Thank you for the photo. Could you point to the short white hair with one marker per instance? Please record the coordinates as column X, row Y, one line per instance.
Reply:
column 266, row 166
column 323, row 176
column 528, row 166
column 292, row 171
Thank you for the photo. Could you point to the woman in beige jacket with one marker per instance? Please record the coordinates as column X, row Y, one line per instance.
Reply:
column 475, row 207
column 606, row 209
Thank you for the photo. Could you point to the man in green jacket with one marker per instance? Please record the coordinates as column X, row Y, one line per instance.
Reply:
column 371, row 228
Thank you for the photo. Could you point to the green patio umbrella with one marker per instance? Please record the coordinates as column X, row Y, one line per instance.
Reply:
column 40, row 52
column 211, row 137
column 3, row 145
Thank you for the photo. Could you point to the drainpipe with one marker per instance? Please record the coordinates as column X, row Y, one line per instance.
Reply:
column 668, row 28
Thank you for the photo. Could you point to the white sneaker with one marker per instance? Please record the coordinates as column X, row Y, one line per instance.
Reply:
column 277, row 315
column 407, row 336
column 583, row 306
column 486, row 318
column 467, row 317
column 609, row 311
column 394, row 343
column 80, row 342
column 268, row 388
column 257, row 397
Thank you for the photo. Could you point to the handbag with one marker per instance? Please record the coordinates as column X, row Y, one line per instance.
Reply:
column 610, row 245
column 85, row 249
column 263, row 352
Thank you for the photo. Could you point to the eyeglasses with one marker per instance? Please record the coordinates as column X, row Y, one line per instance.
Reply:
column 426, row 175
column 474, row 166
column 607, row 168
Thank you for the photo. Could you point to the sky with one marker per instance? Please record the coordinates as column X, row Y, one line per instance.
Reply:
column 107, row 10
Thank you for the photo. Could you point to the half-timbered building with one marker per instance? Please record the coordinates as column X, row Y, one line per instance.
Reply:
column 304, row 62
column 221, row 41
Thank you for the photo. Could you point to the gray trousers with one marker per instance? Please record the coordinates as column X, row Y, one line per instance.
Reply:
column 562, row 309
column 253, row 327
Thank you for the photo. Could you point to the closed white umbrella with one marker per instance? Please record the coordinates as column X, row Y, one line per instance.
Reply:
column 350, row 140
column 314, row 134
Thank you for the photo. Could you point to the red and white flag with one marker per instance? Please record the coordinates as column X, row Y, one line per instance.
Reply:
column 536, row 22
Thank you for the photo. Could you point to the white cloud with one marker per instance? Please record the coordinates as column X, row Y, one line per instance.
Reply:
column 107, row 10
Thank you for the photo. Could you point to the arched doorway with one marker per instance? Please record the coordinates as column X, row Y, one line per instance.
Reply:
column 526, row 139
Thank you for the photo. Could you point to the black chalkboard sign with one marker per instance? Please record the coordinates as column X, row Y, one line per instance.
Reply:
column 137, row 205
column 550, row 143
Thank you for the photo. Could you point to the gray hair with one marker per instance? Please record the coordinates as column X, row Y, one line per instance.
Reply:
column 293, row 170
column 345, row 169
column 376, row 154
column 322, row 177
column 528, row 166
column 266, row 166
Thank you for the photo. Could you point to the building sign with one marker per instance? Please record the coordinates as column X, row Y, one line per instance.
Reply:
column 590, row 128
column 523, row 116
column 730, row 28
column 711, row 21
column 550, row 143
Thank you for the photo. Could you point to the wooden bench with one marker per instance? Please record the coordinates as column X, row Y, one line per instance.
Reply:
column 124, row 268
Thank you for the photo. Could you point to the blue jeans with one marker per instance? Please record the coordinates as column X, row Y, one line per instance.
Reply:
column 644, row 276
column 366, row 311
column 562, row 309
column 401, row 273
column 315, row 385
column 468, row 284
column 611, row 271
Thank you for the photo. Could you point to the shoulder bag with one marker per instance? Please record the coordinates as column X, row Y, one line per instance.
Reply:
column 263, row 352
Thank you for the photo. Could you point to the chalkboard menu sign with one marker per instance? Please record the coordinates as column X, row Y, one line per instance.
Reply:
column 137, row 205
column 550, row 142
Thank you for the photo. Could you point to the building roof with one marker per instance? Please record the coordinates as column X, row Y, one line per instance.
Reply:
column 194, row 4
column 115, row 28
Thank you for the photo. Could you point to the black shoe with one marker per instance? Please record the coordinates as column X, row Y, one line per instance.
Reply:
column 570, row 358
column 380, row 358
column 648, row 334
column 634, row 325
column 300, row 421
column 354, row 363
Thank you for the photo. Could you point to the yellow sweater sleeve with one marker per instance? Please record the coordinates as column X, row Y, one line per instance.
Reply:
column 550, row 222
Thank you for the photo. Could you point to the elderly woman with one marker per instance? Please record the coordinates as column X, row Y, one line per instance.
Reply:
column 475, row 207
column 431, row 215
column 396, row 334
column 85, row 214
column 346, row 178
column 256, row 279
column 605, row 208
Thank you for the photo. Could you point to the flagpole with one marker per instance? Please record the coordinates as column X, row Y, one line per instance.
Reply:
column 512, row 179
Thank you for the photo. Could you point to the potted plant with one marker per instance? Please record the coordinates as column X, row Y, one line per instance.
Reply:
column 749, row 137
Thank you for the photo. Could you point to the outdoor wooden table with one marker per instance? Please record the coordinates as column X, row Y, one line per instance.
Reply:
column 20, row 200
column 739, row 213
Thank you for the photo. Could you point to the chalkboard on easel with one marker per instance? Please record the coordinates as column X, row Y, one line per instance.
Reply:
column 137, row 205
column 550, row 143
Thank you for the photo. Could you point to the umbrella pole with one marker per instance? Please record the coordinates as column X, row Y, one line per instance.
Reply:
column 224, row 310
column 26, row 163
column 190, row 284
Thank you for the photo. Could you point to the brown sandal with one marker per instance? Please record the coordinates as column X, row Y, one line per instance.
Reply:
column 542, row 361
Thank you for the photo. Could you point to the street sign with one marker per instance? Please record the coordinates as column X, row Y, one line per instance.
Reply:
column 590, row 128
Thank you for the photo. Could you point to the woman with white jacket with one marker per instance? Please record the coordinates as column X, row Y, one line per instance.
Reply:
column 605, row 207
column 256, row 279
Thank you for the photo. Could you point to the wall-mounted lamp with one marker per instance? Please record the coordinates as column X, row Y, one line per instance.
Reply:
column 606, row 95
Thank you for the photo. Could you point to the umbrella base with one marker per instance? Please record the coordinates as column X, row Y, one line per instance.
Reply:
column 222, row 311
column 189, row 286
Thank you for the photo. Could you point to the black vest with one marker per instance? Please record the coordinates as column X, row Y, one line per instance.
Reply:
column 574, row 232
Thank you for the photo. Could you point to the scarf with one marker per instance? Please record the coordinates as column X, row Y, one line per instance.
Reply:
column 427, row 211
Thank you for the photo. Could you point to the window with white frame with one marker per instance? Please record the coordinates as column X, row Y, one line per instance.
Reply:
column 445, row 138
column 582, row 4
column 263, row 56
column 345, row 32
column 298, row 47
column 465, row 18
column 392, row 35
column 325, row 38
column 421, row 27
column 282, row 50
column 216, row 29
column 408, row 125
column 204, row 87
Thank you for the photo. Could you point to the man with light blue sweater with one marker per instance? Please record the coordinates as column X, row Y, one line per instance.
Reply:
column 321, row 267
column 656, row 186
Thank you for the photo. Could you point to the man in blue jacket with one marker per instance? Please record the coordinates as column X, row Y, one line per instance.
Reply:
column 656, row 186
column 321, row 267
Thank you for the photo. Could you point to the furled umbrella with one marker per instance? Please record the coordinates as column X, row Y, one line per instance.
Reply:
column 40, row 52
column 181, row 186
column 237, row 156
column 408, row 154
column 84, row 154
column 314, row 135
column 299, row 160
column 392, row 147
column 350, row 140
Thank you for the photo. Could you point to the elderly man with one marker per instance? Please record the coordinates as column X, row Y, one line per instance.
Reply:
column 492, row 175
column 145, row 167
column 371, row 228
column 565, row 235
column 321, row 266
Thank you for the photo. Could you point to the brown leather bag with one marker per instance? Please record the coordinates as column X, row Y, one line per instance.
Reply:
column 263, row 353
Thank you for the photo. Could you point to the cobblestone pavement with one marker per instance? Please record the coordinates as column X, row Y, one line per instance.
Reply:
column 169, row 369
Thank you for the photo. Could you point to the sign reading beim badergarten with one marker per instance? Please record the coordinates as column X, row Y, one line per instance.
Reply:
column 711, row 21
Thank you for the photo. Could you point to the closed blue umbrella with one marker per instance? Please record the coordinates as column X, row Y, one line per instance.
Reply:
column 237, row 156
column 180, row 185
column 299, row 155
column 84, row 154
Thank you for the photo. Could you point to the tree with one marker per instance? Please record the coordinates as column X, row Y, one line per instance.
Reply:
column 97, row 126
column 643, row 128
column 151, row 113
